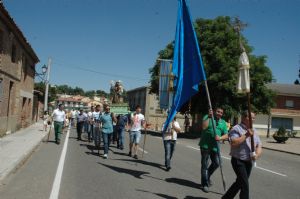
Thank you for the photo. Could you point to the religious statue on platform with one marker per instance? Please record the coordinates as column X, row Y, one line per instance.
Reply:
column 116, row 91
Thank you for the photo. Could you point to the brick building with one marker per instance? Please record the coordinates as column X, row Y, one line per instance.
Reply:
column 17, row 71
column 286, row 112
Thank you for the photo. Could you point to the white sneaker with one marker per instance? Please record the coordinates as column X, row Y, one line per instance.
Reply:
column 105, row 156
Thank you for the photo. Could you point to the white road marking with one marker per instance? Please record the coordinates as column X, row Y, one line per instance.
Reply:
column 160, row 138
column 140, row 149
column 227, row 158
column 193, row 148
column 57, row 180
column 261, row 168
column 271, row 171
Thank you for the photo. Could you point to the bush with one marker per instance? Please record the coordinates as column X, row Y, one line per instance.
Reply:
column 281, row 135
column 281, row 132
column 294, row 133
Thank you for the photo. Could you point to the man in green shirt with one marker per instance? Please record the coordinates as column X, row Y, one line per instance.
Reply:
column 208, row 145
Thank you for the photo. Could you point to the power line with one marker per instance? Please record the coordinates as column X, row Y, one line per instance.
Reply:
column 101, row 73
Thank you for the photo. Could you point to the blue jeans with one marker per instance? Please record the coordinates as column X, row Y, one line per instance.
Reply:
column 97, row 136
column 206, row 171
column 121, row 139
column 106, row 141
column 86, row 127
column 169, row 150
column 91, row 132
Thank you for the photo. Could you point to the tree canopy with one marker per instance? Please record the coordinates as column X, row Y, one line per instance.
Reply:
column 65, row 89
column 220, row 50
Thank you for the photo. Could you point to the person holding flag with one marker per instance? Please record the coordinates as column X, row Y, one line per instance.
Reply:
column 188, row 70
column 245, row 144
column 242, row 156
column 208, row 145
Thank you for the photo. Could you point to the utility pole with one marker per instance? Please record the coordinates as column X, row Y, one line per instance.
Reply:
column 47, row 85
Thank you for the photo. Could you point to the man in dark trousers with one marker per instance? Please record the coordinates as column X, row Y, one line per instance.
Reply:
column 208, row 145
column 80, row 122
column 122, row 122
column 242, row 157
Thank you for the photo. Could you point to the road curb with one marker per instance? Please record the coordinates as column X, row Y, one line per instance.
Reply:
column 278, row 150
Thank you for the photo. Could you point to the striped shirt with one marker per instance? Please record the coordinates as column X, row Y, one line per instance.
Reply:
column 243, row 151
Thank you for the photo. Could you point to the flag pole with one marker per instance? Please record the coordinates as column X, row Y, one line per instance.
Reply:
column 251, row 126
column 238, row 25
column 145, row 135
column 214, row 130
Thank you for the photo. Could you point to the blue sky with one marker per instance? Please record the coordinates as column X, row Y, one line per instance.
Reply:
column 120, row 39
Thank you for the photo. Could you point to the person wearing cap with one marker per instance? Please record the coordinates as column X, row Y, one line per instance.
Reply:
column 59, row 117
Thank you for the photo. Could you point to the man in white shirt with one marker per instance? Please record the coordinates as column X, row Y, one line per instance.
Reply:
column 137, row 122
column 73, row 116
column 96, row 121
column 59, row 117
column 91, row 124
column 170, row 137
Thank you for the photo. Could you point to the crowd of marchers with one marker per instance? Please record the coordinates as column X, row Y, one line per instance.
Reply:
column 99, row 126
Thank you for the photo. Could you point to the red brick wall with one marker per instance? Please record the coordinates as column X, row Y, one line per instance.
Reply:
column 280, row 102
column 15, row 72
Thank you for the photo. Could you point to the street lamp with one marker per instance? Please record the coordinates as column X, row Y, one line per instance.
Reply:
column 44, row 69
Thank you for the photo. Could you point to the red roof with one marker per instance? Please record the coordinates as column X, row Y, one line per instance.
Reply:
column 68, row 99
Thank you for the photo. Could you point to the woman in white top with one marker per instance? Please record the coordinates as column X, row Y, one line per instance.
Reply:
column 46, row 120
column 170, row 137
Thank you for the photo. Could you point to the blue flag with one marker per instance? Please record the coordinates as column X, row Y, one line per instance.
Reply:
column 188, row 67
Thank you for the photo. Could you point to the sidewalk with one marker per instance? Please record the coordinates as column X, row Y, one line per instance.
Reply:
column 17, row 147
column 292, row 145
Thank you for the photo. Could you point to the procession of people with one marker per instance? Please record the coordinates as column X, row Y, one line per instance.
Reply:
column 98, row 125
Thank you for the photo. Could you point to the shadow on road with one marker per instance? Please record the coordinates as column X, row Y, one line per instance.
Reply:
column 183, row 182
column 192, row 197
column 134, row 173
column 153, row 164
column 91, row 147
column 158, row 194
column 188, row 183
column 120, row 153
column 92, row 153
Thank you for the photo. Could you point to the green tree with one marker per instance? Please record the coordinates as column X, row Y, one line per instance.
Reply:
column 90, row 94
column 64, row 89
column 40, row 86
column 78, row 91
column 101, row 93
column 219, row 44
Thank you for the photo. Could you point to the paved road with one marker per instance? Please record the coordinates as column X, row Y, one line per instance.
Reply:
column 86, row 175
